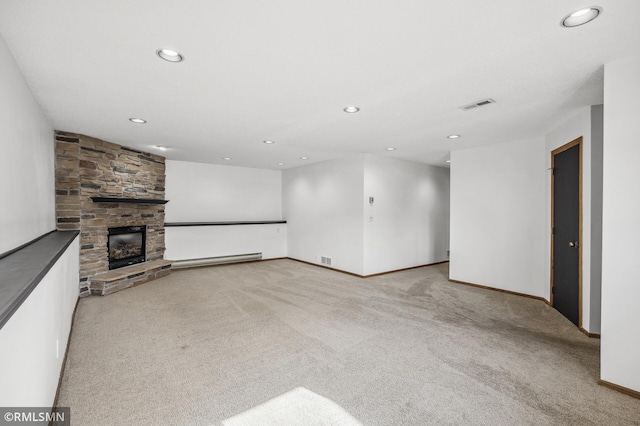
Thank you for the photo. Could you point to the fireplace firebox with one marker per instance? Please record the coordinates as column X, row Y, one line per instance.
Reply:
column 127, row 246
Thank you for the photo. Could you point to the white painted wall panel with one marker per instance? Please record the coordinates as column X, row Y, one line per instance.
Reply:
column 323, row 206
column 408, row 223
column 33, row 341
column 620, row 346
column 27, row 160
column 497, row 216
column 212, row 193
column 211, row 241
column 597, row 146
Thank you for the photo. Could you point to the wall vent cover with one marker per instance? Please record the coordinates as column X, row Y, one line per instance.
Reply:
column 477, row 104
column 326, row 261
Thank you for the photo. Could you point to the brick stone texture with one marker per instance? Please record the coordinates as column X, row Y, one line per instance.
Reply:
column 88, row 167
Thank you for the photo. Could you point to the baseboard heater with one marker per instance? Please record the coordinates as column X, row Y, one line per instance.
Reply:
column 219, row 260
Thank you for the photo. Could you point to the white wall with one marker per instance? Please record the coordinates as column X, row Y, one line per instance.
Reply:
column 410, row 225
column 27, row 160
column 323, row 206
column 213, row 193
column 597, row 146
column 577, row 126
column 195, row 242
column 497, row 216
column 33, row 341
column 620, row 344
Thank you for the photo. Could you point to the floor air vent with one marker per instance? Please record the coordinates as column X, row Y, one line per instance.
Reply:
column 326, row 261
column 477, row 104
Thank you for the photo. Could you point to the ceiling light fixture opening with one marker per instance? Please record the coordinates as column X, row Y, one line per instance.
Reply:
column 581, row 17
column 481, row 103
column 137, row 120
column 580, row 13
column 304, row 158
column 351, row 109
column 169, row 55
column 268, row 142
column 161, row 148
column 280, row 164
column 453, row 136
column 447, row 161
column 390, row 149
column 226, row 158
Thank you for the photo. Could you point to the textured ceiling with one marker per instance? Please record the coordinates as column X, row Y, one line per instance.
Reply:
column 285, row 69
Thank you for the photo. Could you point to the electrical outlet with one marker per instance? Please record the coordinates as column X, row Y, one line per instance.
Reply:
column 370, row 218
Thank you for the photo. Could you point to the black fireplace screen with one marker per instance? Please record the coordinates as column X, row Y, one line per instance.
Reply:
column 126, row 246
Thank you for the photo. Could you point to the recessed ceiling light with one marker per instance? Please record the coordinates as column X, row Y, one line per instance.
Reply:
column 137, row 120
column 268, row 142
column 162, row 148
column 453, row 136
column 304, row 158
column 170, row 55
column 390, row 149
column 280, row 164
column 581, row 17
column 351, row 109
column 447, row 161
column 478, row 104
column 226, row 158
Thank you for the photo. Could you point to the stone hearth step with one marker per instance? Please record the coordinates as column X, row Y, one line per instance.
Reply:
column 129, row 276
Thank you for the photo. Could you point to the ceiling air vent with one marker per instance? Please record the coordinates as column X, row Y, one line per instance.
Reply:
column 477, row 104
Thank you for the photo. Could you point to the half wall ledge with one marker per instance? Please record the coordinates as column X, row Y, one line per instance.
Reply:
column 250, row 222
column 22, row 269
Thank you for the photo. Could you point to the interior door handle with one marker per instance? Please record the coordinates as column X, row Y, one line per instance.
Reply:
column 573, row 244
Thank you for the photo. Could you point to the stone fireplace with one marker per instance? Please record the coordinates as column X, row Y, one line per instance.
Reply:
column 102, row 185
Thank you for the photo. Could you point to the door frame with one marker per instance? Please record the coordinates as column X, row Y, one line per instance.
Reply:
column 555, row 152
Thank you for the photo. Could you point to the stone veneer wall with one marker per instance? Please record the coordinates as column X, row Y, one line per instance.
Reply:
column 87, row 167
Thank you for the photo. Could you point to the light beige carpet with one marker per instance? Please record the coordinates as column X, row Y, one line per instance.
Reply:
column 206, row 345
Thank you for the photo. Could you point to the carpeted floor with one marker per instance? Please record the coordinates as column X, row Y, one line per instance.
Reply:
column 206, row 345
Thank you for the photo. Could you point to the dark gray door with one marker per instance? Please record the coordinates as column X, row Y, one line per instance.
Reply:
column 566, row 233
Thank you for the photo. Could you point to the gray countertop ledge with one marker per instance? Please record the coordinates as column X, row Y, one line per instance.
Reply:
column 22, row 270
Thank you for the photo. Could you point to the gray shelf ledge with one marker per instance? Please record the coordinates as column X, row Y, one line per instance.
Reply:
column 21, row 270
column 257, row 222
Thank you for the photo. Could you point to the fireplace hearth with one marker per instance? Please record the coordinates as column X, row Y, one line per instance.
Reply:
column 127, row 246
